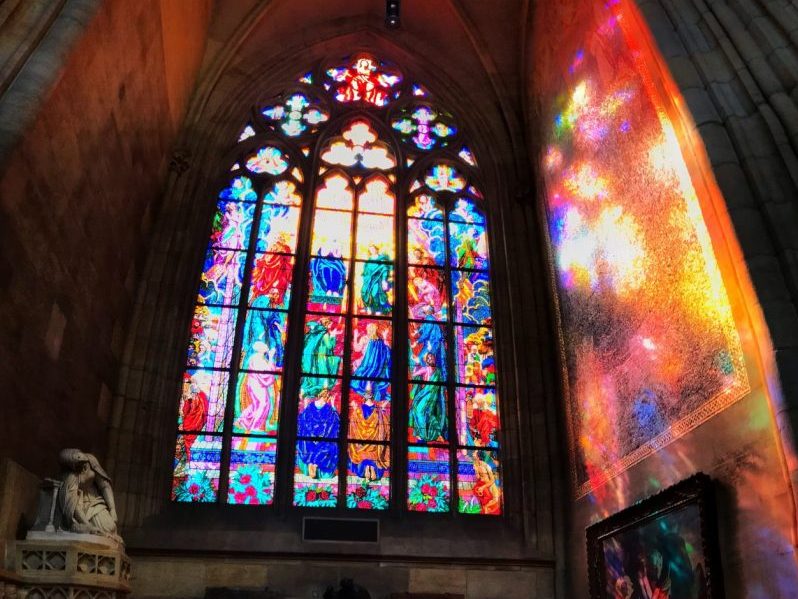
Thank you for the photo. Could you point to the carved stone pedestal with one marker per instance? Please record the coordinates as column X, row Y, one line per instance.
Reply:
column 71, row 566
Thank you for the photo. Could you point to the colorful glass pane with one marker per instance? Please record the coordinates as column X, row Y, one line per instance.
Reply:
column 443, row 177
column 358, row 145
column 369, row 410
column 203, row 401
column 467, row 156
column 426, row 242
column 270, row 285
column 466, row 211
column 257, row 402
column 479, row 483
column 427, row 413
column 336, row 193
column 327, row 282
column 376, row 196
column 364, row 79
column 332, row 234
column 474, row 356
column 278, row 229
column 252, row 465
column 428, row 479
column 314, row 394
column 427, row 351
column 222, row 274
column 316, row 474
column 263, row 344
column 232, row 224
column 195, row 477
column 212, row 331
column 426, row 294
column 323, row 345
column 368, row 477
column 373, row 288
column 269, row 160
column 284, row 192
column 239, row 190
column 471, row 297
column 307, row 78
column 375, row 238
column 371, row 348
column 468, row 246
column 423, row 126
column 296, row 115
column 246, row 133
column 425, row 205
column 477, row 417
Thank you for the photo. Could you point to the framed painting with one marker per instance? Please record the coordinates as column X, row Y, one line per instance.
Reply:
column 664, row 547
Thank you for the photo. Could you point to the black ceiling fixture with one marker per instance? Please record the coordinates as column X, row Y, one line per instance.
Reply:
column 392, row 8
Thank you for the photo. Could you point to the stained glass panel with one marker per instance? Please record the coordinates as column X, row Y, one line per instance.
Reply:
column 375, row 237
column 263, row 344
column 203, row 401
column 424, row 127
column 232, row 224
column 252, row 465
column 222, row 274
column 364, row 79
column 428, row 417
column 479, row 483
column 196, row 468
column 371, row 348
column 327, row 278
column 239, row 190
column 477, row 417
column 358, row 145
column 474, row 356
column 323, row 345
column 443, row 177
column 370, row 410
column 471, row 297
column 368, row 480
column 284, row 192
column 257, row 403
column 335, row 193
column 377, row 197
column 427, row 351
column 426, row 243
column 212, row 331
column 466, row 211
column 269, row 160
column 468, row 246
column 426, row 206
column 428, row 479
column 278, row 229
column 426, row 294
column 332, row 235
column 270, row 286
column 296, row 115
column 316, row 474
column 374, row 288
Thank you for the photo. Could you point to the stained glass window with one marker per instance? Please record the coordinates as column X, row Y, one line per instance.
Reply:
column 305, row 357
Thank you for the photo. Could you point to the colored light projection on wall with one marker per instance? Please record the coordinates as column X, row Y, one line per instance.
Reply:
column 353, row 232
column 246, row 278
column 452, row 408
column 651, row 346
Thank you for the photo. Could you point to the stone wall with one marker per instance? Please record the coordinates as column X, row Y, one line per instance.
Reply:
column 735, row 66
column 88, row 126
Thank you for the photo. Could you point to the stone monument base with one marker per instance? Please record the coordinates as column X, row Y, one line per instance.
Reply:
column 71, row 566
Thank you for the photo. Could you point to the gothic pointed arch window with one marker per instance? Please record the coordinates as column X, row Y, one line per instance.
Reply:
column 341, row 349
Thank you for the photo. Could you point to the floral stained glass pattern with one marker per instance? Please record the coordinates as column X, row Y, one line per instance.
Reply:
column 252, row 464
column 424, row 127
column 296, row 116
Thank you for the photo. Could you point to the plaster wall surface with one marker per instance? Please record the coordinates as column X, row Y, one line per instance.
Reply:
column 77, row 196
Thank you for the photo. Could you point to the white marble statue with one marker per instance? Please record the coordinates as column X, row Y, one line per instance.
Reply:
column 85, row 498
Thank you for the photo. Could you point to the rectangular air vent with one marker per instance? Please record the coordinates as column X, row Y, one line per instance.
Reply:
column 336, row 530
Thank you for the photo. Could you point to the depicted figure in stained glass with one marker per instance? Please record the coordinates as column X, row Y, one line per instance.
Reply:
column 430, row 338
column 482, row 423
column 467, row 251
column 229, row 227
column 318, row 419
column 268, row 327
column 194, row 412
column 85, row 498
column 486, row 488
column 425, row 294
column 318, row 354
column 376, row 282
column 362, row 81
column 368, row 422
column 222, row 277
column 256, row 392
column 271, row 272
column 427, row 418
column 329, row 278
column 376, row 362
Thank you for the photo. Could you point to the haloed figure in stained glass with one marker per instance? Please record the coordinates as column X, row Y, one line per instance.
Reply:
column 369, row 422
column 376, row 282
column 256, row 393
column 376, row 362
column 427, row 416
column 319, row 418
